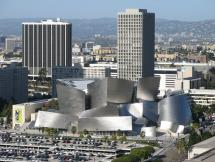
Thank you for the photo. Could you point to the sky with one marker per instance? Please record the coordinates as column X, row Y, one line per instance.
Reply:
column 186, row 10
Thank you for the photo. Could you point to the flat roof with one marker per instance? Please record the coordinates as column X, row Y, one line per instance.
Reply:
column 132, row 11
column 202, row 91
column 208, row 156
column 80, row 84
column 48, row 21
column 209, row 143
column 36, row 102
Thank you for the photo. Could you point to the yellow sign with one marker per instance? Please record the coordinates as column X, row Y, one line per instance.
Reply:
column 18, row 116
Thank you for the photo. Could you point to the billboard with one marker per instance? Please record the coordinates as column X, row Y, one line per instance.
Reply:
column 18, row 116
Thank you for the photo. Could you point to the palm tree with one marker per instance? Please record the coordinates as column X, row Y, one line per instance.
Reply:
column 181, row 145
column 73, row 129
column 142, row 134
column 42, row 75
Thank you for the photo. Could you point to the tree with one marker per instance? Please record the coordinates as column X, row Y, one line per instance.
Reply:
column 7, row 110
column 3, row 102
column 119, row 132
column 1, row 121
column 81, row 135
column 114, row 137
column 85, row 132
column 127, row 158
column 88, row 136
column 105, row 139
column 142, row 134
column 181, row 145
column 211, row 110
column 42, row 75
column 194, row 138
column 51, row 131
column 54, row 104
column 195, row 125
column 143, row 152
column 197, row 112
column 74, row 129
column 122, row 138
column 206, row 135
column 34, row 84
column 157, row 160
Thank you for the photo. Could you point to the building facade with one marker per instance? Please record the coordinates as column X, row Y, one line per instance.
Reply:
column 21, row 113
column 135, row 40
column 12, row 43
column 46, row 44
column 63, row 73
column 112, row 66
column 172, row 79
column 77, row 72
column 204, row 97
column 14, row 84
column 96, row 72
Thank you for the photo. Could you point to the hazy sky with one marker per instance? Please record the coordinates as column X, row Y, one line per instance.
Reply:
column 189, row 10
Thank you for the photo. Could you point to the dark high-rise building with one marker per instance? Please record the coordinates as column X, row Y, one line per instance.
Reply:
column 46, row 44
column 135, row 39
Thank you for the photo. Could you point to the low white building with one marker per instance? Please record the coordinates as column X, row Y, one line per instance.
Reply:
column 96, row 72
column 112, row 66
column 12, row 43
column 177, row 79
column 21, row 113
column 204, row 97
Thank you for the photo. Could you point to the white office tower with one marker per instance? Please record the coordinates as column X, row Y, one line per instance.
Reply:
column 135, row 39
column 46, row 44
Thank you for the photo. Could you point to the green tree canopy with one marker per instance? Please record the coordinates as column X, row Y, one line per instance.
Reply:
column 143, row 152
column 74, row 129
column 194, row 138
column 127, row 158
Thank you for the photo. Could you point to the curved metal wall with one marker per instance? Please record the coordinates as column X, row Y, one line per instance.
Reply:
column 119, row 90
column 98, row 93
column 71, row 100
column 147, row 88
column 53, row 120
column 105, row 124
column 149, row 131
column 100, row 112
column 145, row 109
column 175, row 109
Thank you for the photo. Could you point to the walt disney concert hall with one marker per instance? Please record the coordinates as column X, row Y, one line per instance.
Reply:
column 111, row 104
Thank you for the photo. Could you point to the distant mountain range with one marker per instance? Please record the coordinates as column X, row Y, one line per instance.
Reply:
column 87, row 28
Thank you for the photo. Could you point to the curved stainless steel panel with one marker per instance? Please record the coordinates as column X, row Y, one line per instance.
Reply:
column 119, row 90
column 149, row 131
column 147, row 88
column 98, row 93
column 175, row 109
column 100, row 112
column 71, row 100
column 147, row 109
column 53, row 120
column 105, row 124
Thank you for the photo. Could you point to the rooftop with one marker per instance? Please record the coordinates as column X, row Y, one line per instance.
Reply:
column 133, row 11
column 80, row 84
column 35, row 102
column 58, row 21
column 208, row 156
column 209, row 143
column 202, row 91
